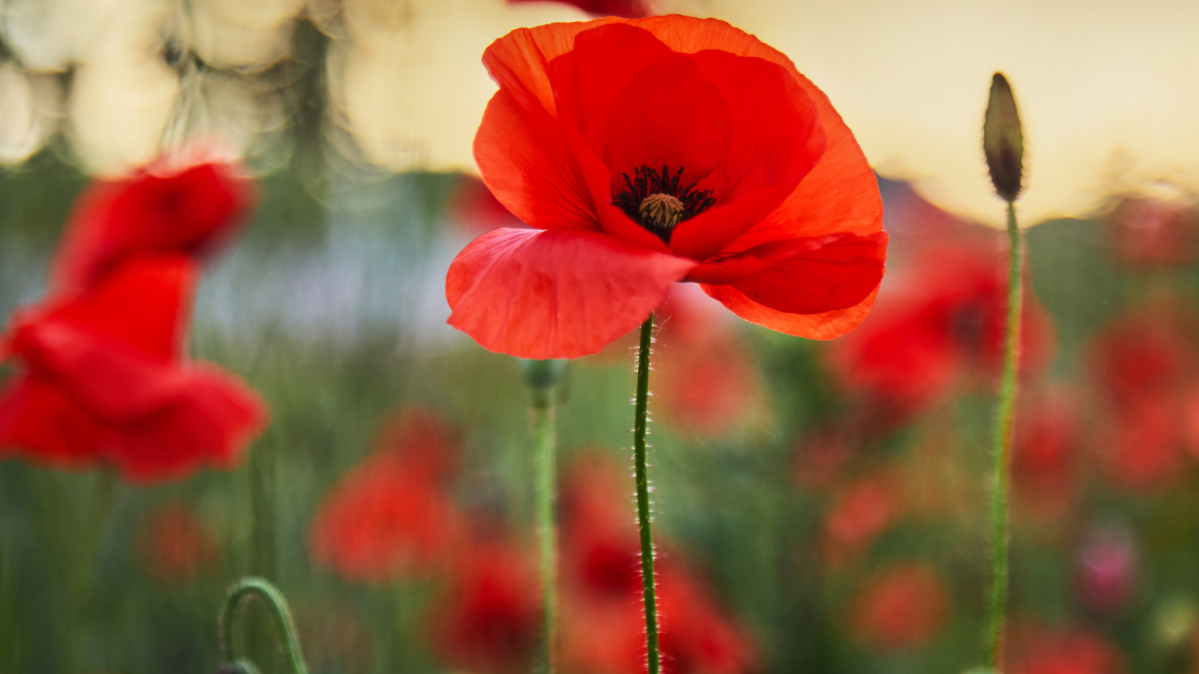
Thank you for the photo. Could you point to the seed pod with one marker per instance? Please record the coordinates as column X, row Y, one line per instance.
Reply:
column 1003, row 139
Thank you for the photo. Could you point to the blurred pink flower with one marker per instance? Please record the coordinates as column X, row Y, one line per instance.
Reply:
column 1149, row 233
column 1107, row 569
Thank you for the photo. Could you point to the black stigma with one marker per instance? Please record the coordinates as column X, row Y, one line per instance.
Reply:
column 647, row 181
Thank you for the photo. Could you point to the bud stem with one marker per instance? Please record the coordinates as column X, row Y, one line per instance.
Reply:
column 1001, row 453
column 234, row 599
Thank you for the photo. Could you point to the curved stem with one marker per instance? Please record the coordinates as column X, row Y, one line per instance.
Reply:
column 1001, row 452
column 234, row 599
column 543, row 431
column 643, row 512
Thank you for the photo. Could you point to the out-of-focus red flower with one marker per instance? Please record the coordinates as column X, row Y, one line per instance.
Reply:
column 393, row 515
column 706, row 379
column 1144, row 370
column 639, row 154
column 490, row 619
column 1044, row 452
column 1152, row 233
column 629, row 9
column 603, row 630
column 1035, row 649
column 944, row 325
column 861, row 511
column 1107, row 569
column 102, row 380
column 163, row 208
column 175, row 544
column 903, row 608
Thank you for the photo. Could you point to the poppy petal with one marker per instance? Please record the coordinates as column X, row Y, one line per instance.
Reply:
column 140, row 308
column 557, row 293
column 827, row 325
column 38, row 420
column 837, row 275
column 187, row 211
column 777, row 139
column 209, row 424
column 840, row 194
column 638, row 103
column 758, row 259
column 526, row 166
column 519, row 61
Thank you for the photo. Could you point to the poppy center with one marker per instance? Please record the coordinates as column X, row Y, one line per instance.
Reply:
column 656, row 202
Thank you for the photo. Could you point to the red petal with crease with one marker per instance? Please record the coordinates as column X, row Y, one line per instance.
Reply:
column 39, row 420
column 529, row 169
column 757, row 259
column 827, row 325
column 555, row 294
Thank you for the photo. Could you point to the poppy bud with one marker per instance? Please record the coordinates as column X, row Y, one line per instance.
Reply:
column 1003, row 139
column 543, row 374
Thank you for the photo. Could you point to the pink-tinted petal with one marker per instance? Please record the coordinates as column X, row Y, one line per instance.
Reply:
column 827, row 325
column 557, row 293
column 527, row 166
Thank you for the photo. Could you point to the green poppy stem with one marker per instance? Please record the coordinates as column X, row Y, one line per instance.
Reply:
column 541, row 376
column 643, row 512
column 281, row 614
column 1001, row 453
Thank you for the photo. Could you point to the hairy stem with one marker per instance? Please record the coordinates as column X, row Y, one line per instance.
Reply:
column 1001, row 452
column 280, row 613
column 543, row 433
column 643, row 512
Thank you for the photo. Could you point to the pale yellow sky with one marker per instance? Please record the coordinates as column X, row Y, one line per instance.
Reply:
column 1107, row 89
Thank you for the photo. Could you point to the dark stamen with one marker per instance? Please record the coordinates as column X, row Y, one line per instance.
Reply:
column 645, row 182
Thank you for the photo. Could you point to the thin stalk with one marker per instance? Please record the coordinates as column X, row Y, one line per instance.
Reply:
column 643, row 513
column 1001, row 453
column 543, row 432
column 280, row 613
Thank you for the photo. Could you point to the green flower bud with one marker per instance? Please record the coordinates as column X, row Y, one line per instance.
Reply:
column 1003, row 139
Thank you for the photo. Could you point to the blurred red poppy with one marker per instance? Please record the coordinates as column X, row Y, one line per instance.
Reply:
column 629, row 9
column 393, row 516
column 944, row 324
column 102, row 380
column 489, row 621
column 651, row 151
column 1035, row 649
column 860, row 512
column 164, row 208
column 603, row 630
column 175, row 544
column 706, row 380
column 1145, row 372
column 1151, row 233
column 902, row 608
column 1044, row 452
column 475, row 210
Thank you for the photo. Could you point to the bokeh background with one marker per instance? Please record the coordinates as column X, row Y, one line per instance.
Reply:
column 820, row 506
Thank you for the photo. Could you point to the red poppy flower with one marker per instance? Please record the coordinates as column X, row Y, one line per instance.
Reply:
column 1034, row 649
column 1145, row 374
column 103, row 380
column 166, row 207
column 490, row 619
column 946, row 324
column 1044, row 453
column 603, row 628
column 861, row 512
column 629, row 9
column 175, row 544
column 647, row 152
column 903, row 608
column 392, row 516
